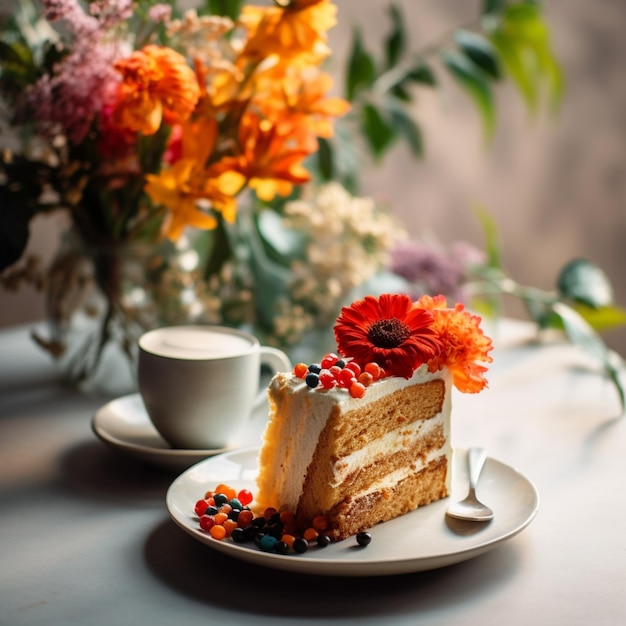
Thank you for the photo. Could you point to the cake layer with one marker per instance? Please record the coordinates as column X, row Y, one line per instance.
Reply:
column 406, row 450
column 355, row 514
column 356, row 429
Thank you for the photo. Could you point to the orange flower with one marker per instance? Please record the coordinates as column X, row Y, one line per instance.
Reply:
column 198, row 138
column 298, row 28
column 464, row 344
column 389, row 330
column 303, row 95
column 156, row 82
column 271, row 156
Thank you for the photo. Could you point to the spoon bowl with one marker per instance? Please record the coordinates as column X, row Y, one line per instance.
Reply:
column 471, row 508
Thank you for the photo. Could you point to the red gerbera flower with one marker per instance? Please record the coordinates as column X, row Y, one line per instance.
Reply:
column 389, row 330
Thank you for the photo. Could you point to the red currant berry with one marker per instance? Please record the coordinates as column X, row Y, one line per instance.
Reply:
column 269, row 511
column 201, row 507
column 345, row 377
column 245, row 497
column 329, row 360
column 365, row 378
column 327, row 380
column 300, row 370
column 335, row 371
column 245, row 518
column 357, row 389
column 374, row 369
column 354, row 366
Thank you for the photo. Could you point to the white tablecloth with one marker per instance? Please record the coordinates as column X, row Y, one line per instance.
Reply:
column 85, row 537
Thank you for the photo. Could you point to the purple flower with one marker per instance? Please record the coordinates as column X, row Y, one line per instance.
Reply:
column 467, row 254
column 430, row 270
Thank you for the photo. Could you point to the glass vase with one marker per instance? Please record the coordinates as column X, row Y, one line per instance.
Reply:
column 101, row 298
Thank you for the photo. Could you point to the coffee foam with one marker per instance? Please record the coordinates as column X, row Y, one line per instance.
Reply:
column 195, row 343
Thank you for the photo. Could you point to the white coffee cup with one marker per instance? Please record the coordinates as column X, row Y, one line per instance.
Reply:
column 200, row 384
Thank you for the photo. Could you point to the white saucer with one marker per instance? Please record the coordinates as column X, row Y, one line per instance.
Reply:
column 423, row 539
column 124, row 424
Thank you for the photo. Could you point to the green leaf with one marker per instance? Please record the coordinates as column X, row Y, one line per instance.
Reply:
column 325, row 159
column 151, row 149
column 217, row 248
column 17, row 66
column 406, row 128
column 490, row 230
column 229, row 8
column 396, row 42
column 9, row 54
column 513, row 60
column 602, row 318
column 493, row 6
column 421, row 73
column 361, row 68
column 400, row 92
column 543, row 314
column 580, row 333
column 475, row 84
column 379, row 134
column 283, row 243
column 490, row 303
column 480, row 51
column 581, row 281
column 271, row 279
column 522, row 39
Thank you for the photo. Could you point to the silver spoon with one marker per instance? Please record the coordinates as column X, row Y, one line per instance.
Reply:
column 471, row 508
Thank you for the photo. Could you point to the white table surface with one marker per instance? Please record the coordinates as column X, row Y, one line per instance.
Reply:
column 85, row 537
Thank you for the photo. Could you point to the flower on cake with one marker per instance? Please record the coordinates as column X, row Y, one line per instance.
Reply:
column 464, row 344
column 400, row 335
column 389, row 330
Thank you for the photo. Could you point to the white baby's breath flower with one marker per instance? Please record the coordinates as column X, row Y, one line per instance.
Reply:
column 348, row 241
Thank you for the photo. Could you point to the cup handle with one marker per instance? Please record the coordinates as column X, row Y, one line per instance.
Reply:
column 277, row 361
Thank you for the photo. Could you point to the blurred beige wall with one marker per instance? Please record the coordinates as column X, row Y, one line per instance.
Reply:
column 556, row 187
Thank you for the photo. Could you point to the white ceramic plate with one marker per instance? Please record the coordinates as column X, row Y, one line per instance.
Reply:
column 421, row 540
column 124, row 424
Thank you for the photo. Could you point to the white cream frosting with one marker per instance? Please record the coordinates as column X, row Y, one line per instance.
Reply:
column 386, row 445
column 295, row 443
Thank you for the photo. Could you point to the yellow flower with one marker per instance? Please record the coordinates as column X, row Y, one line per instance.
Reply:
column 171, row 188
column 181, row 189
column 156, row 83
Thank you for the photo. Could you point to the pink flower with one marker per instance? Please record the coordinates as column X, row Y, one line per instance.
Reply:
column 160, row 13
column 69, row 98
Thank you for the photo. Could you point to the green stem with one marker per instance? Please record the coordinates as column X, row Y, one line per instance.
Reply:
column 397, row 74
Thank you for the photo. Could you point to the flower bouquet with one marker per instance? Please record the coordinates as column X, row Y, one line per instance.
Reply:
column 211, row 174
column 144, row 123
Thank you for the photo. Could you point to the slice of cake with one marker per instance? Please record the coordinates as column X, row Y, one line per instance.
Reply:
column 365, row 436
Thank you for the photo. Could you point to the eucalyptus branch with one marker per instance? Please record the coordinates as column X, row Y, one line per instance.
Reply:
column 552, row 309
column 397, row 74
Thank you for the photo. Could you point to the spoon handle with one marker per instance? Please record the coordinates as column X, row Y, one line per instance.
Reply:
column 476, row 459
